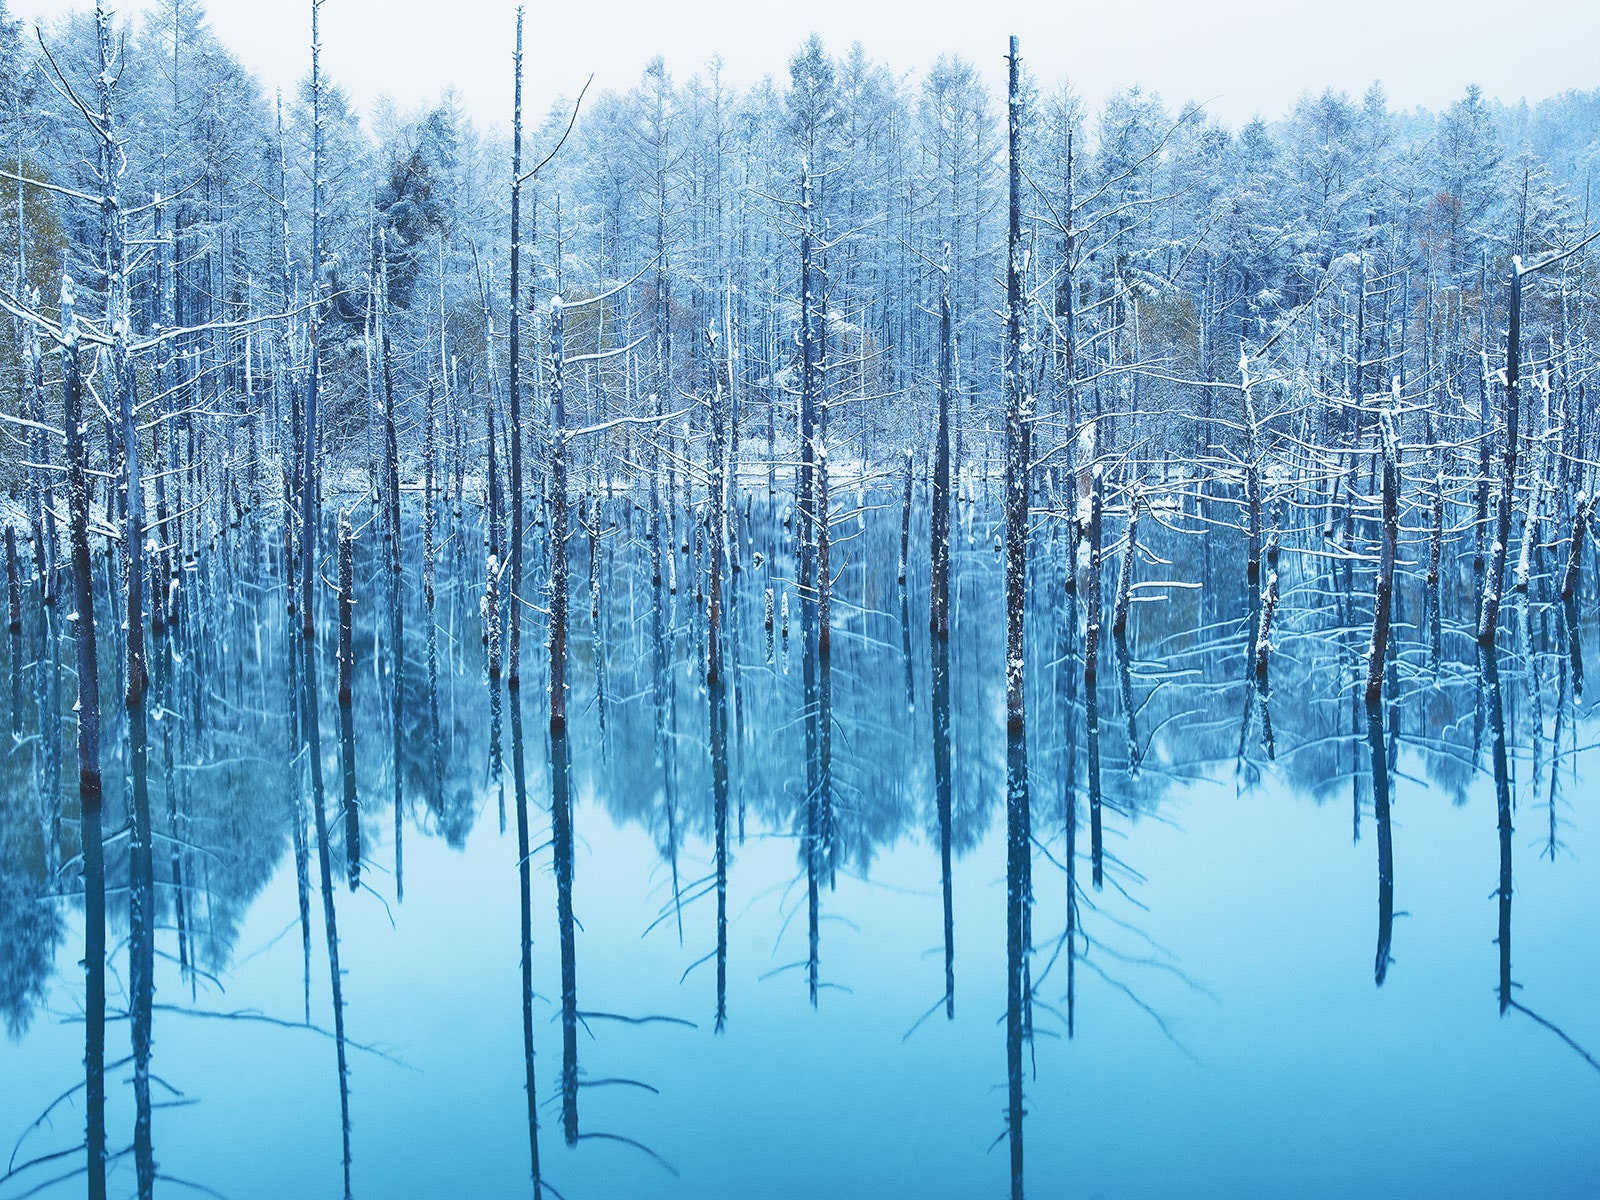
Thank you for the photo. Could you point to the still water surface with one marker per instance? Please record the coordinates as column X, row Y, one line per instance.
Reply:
column 1288, row 981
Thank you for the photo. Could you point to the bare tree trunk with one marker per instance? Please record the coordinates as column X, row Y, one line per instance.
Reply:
column 429, row 487
column 13, row 582
column 346, row 600
column 1019, row 414
column 1119, row 619
column 905, row 518
column 558, row 523
column 88, row 709
column 391, row 447
column 514, row 650
column 1490, row 612
column 1388, row 537
column 1581, row 514
column 1092, row 600
column 810, row 387
column 1269, row 608
column 717, row 506
column 1436, row 537
column 309, row 483
column 939, row 588
column 42, row 492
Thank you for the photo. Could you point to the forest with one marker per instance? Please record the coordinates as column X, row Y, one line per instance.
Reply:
column 330, row 440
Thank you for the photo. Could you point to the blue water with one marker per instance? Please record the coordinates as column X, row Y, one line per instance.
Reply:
column 1228, row 1033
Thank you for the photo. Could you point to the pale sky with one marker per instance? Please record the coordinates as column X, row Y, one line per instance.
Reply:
column 1243, row 56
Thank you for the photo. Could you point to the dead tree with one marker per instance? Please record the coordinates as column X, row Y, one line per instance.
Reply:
column 13, row 582
column 309, row 485
column 939, row 585
column 346, row 601
column 514, row 650
column 1119, row 619
column 88, row 708
column 1388, row 536
column 1018, row 414
column 558, row 523
column 1092, row 600
column 905, row 518
column 717, row 485
column 1582, row 513
column 1494, row 582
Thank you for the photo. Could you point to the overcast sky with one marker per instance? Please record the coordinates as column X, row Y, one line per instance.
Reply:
column 1243, row 56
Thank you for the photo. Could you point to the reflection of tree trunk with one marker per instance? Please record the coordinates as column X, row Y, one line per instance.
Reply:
column 1019, row 898
column 1380, row 812
column 561, row 834
column 592, row 533
column 941, row 784
column 905, row 649
column 1130, row 713
column 664, row 694
column 1574, row 647
column 1490, row 670
column 47, row 703
column 397, row 641
column 905, row 519
column 297, row 816
column 325, row 870
column 141, row 944
column 94, row 956
column 1091, row 704
column 351, row 806
column 816, row 819
column 813, row 836
column 1069, row 776
column 524, row 882
column 719, row 794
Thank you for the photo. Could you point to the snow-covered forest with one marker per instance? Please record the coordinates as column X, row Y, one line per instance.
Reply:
column 1334, row 249
column 597, row 412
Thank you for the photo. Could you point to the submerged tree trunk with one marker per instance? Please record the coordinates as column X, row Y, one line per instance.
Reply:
column 88, row 708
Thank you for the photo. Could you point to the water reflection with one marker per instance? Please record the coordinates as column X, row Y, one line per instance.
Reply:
column 864, row 802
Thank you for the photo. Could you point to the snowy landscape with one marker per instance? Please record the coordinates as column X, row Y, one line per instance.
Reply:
column 890, row 628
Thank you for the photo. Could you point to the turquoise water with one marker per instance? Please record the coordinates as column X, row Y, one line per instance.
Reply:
column 1243, row 1008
